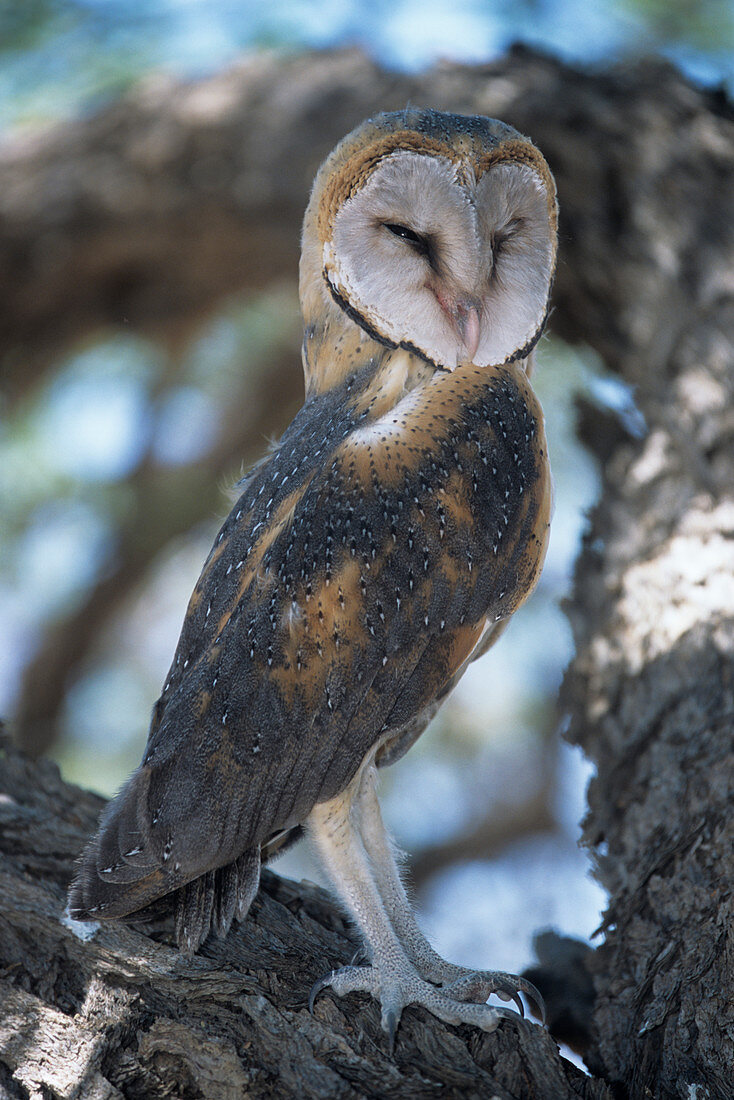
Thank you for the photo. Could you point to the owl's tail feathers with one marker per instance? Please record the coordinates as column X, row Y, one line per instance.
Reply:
column 126, row 870
column 211, row 902
column 121, row 869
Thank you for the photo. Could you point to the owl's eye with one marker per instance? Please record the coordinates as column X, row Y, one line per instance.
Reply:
column 422, row 245
column 508, row 231
column 403, row 231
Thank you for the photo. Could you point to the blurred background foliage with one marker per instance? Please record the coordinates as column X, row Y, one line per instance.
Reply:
column 62, row 57
column 79, row 452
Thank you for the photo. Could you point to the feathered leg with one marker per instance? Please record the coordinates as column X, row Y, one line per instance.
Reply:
column 459, row 982
column 392, row 978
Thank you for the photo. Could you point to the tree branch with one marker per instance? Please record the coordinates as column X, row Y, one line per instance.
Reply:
column 650, row 694
column 124, row 1014
column 148, row 214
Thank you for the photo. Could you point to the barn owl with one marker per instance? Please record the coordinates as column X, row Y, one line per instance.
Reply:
column 379, row 549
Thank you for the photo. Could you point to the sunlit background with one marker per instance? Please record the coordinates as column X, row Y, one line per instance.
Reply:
column 62, row 57
column 492, row 777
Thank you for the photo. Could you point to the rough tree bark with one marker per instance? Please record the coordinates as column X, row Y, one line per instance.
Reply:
column 650, row 695
column 644, row 165
column 125, row 1015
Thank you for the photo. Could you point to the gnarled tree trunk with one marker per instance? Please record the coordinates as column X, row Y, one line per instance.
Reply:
column 124, row 1014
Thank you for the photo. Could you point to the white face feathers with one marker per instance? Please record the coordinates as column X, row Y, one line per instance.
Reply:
column 426, row 256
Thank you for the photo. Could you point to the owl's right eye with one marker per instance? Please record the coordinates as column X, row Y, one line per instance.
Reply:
column 421, row 244
column 403, row 231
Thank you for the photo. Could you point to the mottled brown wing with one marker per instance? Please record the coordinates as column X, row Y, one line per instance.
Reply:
column 352, row 580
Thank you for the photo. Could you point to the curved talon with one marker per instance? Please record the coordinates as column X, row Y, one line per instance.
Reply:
column 504, row 1013
column 532, row 992
column 512, row 995
column 390, row 1020
column 316, row 988
column 481, row 984
column 507, row 991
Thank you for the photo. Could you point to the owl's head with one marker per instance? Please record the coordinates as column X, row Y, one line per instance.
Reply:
column 434, row 232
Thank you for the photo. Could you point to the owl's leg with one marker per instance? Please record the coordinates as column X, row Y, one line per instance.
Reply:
column 392, row 978
column 459, row 982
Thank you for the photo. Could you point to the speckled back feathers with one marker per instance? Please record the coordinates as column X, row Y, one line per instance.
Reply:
column 404, row 512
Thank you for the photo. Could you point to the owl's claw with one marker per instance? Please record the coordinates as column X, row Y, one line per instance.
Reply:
column 390, row 1020
column 317, row 987
column 479, row 985
column 394, row 988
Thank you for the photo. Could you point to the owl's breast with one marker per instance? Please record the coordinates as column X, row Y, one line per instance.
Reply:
column 371, row 538
column 349, row 587
column 430, row 513
column 459, row 467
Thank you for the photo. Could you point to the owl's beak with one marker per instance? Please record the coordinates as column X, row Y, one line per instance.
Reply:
column 463, row 314
column 465, row 317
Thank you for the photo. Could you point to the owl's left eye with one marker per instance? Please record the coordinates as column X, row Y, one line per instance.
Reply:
column 508, row 231
column 420, row 244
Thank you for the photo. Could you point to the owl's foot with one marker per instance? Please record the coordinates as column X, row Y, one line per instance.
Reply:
column 458, row 983
column 398, row 985
column 462, row 984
